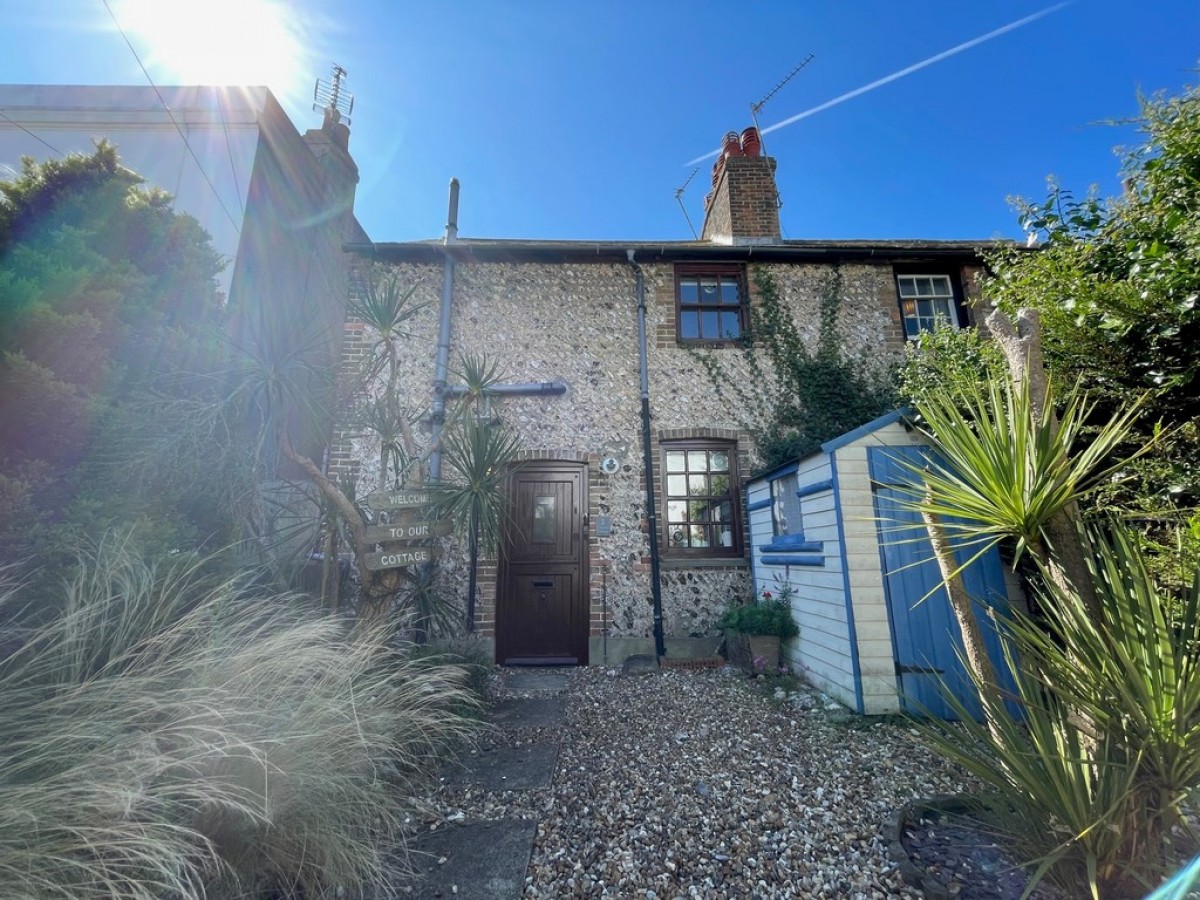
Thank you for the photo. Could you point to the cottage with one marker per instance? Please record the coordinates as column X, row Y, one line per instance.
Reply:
column 631, row 529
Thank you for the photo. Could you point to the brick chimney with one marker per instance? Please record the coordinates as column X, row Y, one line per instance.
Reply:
column 743, row 207
column 331, row 145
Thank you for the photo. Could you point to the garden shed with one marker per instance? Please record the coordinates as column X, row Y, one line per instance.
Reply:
column 872, row 635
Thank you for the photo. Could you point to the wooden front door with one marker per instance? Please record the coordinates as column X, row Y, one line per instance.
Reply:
column 542, row 604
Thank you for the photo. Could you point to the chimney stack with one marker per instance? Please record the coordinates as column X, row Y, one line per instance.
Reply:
column 743, row 207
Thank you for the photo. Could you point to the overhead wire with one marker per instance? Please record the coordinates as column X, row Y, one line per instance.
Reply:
column 229, row 149
column 174, row 122
column 31, row 134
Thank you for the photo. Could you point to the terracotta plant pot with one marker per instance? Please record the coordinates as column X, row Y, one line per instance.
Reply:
column 743, row 649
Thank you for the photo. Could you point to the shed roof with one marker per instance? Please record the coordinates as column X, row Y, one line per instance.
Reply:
column 837, row 443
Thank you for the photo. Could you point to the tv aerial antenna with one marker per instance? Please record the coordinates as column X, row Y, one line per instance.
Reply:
column 679, row 199
column 756, row 108
column 331, row 98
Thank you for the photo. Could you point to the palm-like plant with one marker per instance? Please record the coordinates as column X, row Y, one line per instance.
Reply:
column 1001, row 470
column 1106, row 748
column 1136, row 675
column 1106, row 743
column 387, row 307
column 479, row 454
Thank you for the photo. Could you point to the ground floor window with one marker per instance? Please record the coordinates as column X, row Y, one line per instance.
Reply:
column 700, row 485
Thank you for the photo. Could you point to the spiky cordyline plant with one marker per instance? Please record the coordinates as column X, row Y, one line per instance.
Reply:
column 167, row 734
column 1107, row 746
column 1001, row 470
column 480, row 455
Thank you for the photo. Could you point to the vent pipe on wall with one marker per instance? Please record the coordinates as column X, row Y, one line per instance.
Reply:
column 515, row 389
column 442, row 365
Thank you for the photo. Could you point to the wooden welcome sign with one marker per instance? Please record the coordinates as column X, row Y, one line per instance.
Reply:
column 410, row 526
column 398, row 499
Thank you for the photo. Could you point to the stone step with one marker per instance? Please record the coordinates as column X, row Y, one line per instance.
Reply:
column 473, row 861
column 528, row 712
column 529, row 767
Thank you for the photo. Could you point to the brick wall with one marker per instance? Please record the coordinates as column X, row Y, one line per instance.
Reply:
column 745, row 202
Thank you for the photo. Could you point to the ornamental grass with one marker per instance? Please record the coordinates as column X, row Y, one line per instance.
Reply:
column 171, row 734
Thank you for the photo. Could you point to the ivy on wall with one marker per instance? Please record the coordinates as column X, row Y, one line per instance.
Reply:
column 793, row 397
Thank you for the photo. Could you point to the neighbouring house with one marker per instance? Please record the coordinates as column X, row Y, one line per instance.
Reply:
column 278, row 204
column 589, row 564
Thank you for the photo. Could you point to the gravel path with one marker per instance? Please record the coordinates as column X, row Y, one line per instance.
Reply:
column 682, row 784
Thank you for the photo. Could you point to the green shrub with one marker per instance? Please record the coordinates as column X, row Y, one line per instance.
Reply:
column 764, row 615
column 1106, row 750
column 170, row 734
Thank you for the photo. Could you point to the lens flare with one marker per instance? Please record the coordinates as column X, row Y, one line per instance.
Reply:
column 222, row 42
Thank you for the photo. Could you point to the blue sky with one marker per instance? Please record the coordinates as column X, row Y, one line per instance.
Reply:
column 566, row 120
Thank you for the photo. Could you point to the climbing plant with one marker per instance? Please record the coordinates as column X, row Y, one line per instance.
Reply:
column 793, row 396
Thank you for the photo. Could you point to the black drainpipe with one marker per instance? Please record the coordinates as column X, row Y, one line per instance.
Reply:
column 648, row 461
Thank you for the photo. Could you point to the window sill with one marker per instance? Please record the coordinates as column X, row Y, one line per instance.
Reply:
column 709, row 345
column 703, row 562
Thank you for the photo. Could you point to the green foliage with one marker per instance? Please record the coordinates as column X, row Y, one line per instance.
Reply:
column 1107, row 747
column 796, row 397
column 1136, row 675
column 433, row 612
column 999, row 472
column 477, row 455
column 386, row 306
column 768, row 615
column 1117, row 284
column 105, row 292
column 471, row 654
column 475, row 496
column 948, row 360
column 174, row 734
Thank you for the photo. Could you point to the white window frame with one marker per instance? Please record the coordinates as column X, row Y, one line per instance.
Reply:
column 937, row 302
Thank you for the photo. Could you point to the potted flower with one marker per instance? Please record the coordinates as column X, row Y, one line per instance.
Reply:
column 755, row 630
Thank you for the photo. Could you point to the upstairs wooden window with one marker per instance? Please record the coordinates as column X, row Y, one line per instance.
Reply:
column 700, row 484
column 710, row 304
column 926, row 299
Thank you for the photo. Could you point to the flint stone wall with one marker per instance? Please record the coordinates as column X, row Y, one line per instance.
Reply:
column 577, row 323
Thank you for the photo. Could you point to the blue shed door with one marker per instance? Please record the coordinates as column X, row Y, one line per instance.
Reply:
column 926, row 639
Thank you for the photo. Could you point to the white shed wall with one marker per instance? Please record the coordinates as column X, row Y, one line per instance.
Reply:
column 876, row 659
column 822, row 651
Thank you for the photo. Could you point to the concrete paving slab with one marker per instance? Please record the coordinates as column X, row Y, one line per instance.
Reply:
column 534, row 712
column 526, row 768
column 483, row 860
column 536, row 681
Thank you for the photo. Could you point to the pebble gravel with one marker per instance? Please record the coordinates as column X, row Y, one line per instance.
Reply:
column 703, row 784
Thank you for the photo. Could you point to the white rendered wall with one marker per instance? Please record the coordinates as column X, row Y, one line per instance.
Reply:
column 221, row 125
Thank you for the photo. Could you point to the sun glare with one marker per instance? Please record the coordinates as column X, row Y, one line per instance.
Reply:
column 221, row 42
